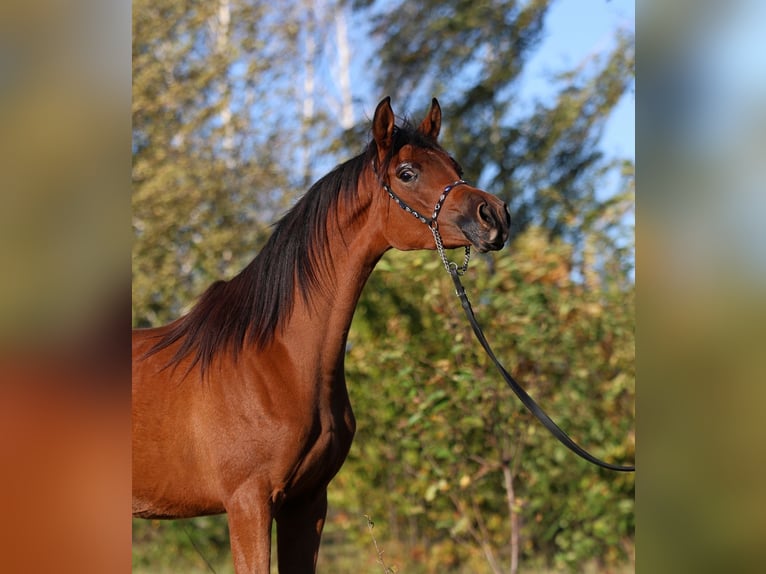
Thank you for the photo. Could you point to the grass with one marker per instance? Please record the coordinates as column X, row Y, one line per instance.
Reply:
column 348, row 558
column 168, row 547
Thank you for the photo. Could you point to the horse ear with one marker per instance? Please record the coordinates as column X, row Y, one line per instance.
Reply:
column 432, row 124
column 383, row 126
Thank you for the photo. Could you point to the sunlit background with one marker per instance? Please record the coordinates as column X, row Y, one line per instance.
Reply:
column 65, row 224
column 537, row 105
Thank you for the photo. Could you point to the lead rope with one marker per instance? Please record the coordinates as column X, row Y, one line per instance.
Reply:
column 455, row 272
column 528, row 401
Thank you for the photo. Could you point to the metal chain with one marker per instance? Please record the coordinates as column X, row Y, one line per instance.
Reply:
column 440, row 248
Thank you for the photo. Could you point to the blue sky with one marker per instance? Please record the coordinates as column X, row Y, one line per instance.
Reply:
column 574, row 30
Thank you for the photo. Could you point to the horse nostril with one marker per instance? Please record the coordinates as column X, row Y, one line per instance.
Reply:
column 507, row 215
column 485, row 214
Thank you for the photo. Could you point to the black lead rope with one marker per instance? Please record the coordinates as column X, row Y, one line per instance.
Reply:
column 520, row 392
column 455, row 272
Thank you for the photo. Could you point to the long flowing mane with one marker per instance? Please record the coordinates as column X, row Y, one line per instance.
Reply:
column 253, row 305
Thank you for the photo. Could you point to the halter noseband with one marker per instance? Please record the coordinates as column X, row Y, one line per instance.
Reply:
column 433, row 225
column 430, row 221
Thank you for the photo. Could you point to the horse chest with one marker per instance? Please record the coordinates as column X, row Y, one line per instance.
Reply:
column 323, row 453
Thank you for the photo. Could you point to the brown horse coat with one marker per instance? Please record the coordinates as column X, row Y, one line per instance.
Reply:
column 241, row 406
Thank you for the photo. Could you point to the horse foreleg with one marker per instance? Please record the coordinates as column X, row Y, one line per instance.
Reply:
column 250, row 519
column 299, row 529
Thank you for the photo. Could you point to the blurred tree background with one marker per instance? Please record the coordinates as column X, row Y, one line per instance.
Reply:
column 238, row 105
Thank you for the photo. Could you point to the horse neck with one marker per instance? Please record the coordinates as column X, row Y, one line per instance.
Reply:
column 319, row 324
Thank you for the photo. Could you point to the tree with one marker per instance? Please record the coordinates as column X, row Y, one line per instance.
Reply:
column 471, row 55
column 195, row 157
column 469, row 462
column 217, row 154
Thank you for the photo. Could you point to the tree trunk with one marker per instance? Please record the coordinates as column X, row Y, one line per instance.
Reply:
column 222, row 26
column 310, row 46
column 514, row 516
column 344, row 64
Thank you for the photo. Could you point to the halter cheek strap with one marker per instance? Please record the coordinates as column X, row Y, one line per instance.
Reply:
column 433, row 225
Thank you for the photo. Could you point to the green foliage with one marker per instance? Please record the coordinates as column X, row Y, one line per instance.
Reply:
column 437, row 428
column 180, row 545
column 205, row 170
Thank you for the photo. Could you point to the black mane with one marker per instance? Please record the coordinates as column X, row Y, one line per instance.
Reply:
column 253, row 305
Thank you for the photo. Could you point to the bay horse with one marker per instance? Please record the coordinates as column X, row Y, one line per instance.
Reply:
column 241, row 405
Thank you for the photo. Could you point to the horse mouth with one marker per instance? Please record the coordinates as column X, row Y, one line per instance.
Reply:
column 481, row 245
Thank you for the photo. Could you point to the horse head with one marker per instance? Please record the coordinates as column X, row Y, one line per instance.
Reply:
column 425, row 181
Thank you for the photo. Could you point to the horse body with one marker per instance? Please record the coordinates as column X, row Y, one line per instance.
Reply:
column 257, row 424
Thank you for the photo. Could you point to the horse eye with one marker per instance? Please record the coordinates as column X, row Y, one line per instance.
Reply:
column 406, row 175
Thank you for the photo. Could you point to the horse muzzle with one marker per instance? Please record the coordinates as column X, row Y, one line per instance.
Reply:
column 489, row 228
